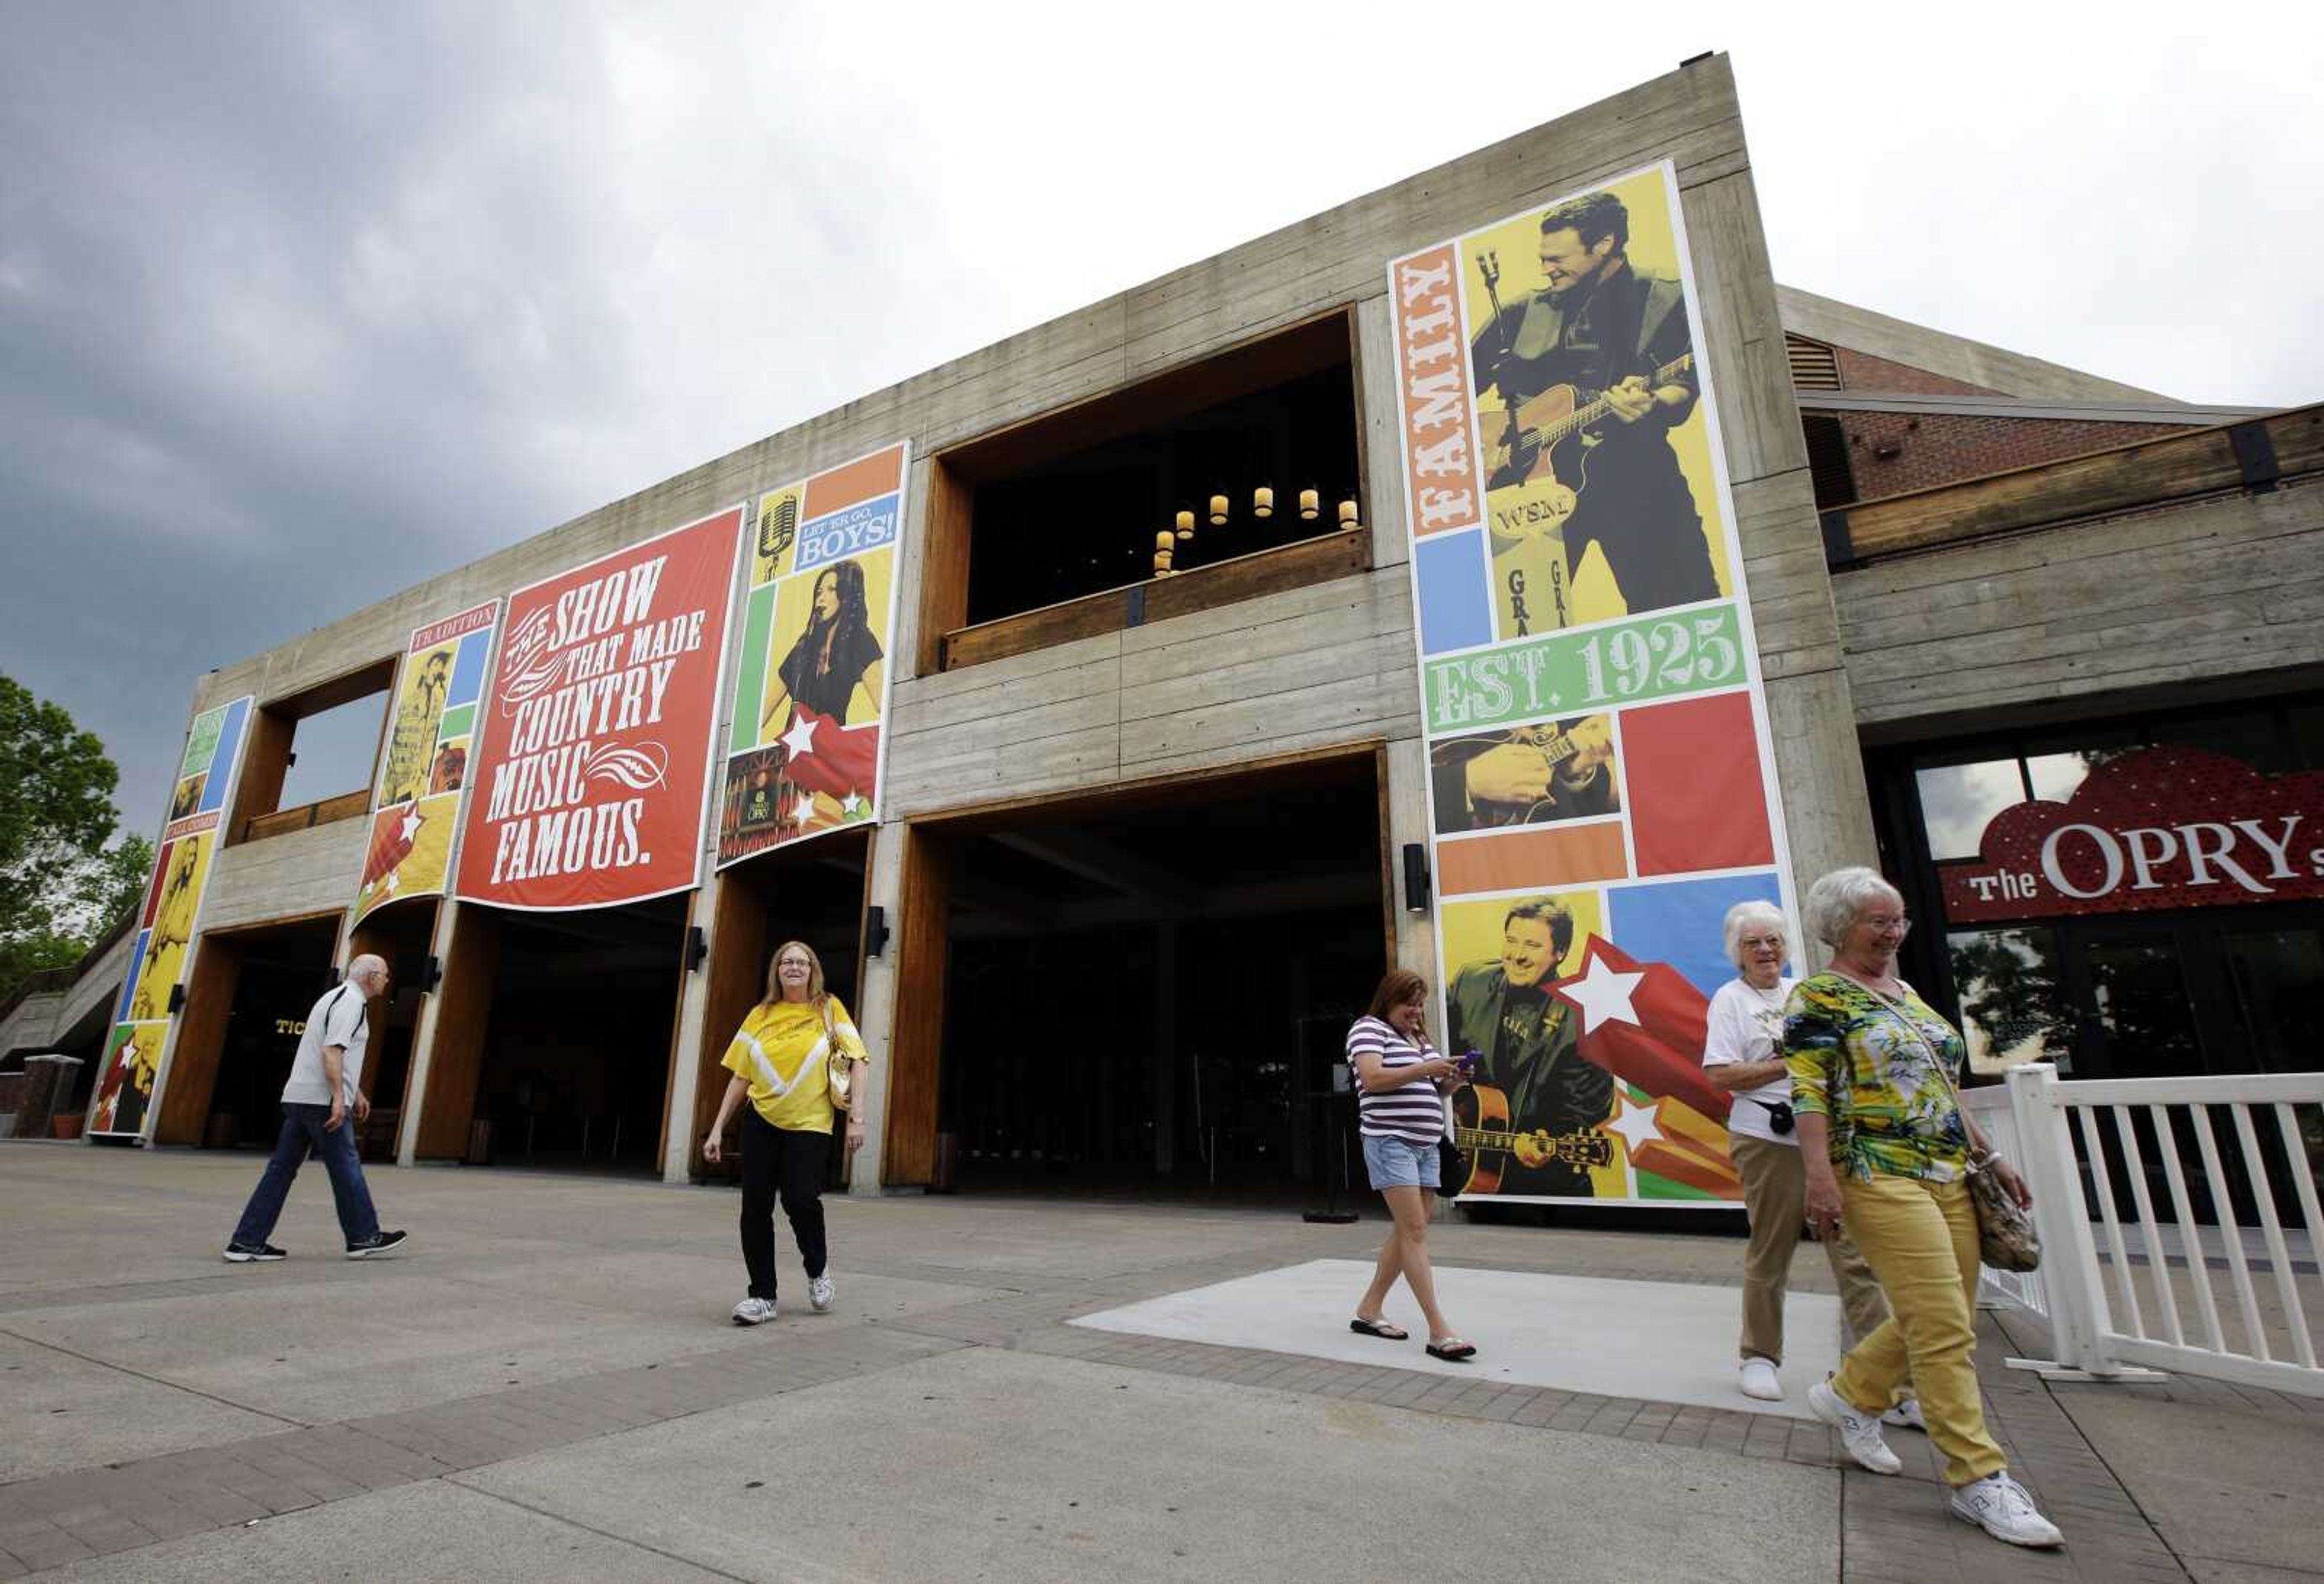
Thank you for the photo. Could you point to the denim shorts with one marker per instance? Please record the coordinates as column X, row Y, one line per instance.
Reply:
column 1399, row 1162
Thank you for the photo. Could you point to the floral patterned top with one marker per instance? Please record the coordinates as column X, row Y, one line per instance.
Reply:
column 1870, row 1064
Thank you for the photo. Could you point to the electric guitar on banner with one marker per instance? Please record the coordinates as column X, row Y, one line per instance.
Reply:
column 1482, row 1129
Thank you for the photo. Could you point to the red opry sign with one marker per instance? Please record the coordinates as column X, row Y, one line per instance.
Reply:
column 2163, row 827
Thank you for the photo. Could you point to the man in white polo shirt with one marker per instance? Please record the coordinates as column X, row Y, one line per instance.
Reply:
column 326, row 1085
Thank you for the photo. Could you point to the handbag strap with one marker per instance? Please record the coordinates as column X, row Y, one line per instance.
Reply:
column 1976, row 1158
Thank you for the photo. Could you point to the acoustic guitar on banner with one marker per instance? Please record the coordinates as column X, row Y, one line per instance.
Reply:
column 1549, row 437
column 1482, row 1129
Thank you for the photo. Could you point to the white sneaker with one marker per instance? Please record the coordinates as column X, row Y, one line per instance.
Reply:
column 1758, row 1379
column 752, row 1311
column 1999, row 1506
column 1858, row 1433
column 1906, row 1416
column 818, row 1293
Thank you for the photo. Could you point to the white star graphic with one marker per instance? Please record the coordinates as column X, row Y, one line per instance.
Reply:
column 1603, row 994
column 1635, row 1125
column 800, row 738
column 803, row 810
column 410, row 828
column 850, row 803
column 394, row 876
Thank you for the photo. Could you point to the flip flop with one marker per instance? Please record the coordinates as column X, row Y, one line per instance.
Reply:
column 1380, row 1329
column 1452, row 1351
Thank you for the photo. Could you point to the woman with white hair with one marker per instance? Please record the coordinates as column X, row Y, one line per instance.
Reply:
column 1741, row 1056
column 1887, row 1150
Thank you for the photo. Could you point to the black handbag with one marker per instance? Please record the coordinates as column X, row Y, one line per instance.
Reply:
column 1451, row 1169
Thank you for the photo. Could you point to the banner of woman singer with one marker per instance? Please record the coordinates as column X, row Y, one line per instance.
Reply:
column 805, row 750
column 592, row 756
column 1602, row 786
column 139, row 1040
column 415, row 806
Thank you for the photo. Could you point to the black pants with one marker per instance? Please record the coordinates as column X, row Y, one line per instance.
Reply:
column 781, row 1159
column 1638, row 507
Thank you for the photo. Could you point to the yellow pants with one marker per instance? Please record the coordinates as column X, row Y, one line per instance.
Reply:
column 1776, row 1196
column 1919, row 1238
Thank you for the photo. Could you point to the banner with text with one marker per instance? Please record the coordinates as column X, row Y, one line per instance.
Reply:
column 807, row 744
column 415, row 806
column 140, row 1036
column 1600, row 780
column 592, row 758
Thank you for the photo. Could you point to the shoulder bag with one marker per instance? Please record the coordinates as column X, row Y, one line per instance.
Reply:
column 2006, row 1238
column 840, row 1076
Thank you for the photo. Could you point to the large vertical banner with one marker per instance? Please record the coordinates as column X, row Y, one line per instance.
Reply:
column 805, row 750
column 167, row 919
column 1601, row 783
column 415, row 806
column 592, row 758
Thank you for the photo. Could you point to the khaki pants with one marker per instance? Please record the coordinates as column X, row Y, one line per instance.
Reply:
column 1921, row 1239
column 1775, row 1195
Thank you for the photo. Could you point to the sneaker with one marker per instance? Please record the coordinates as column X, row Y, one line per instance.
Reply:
column 1999, row 1506
column 1858, row 1433
column 1906, row 1416
column 377, row 1243
column 753, row 1311
column 1758, row 1379
column 818, row 1295
column 243, row 1254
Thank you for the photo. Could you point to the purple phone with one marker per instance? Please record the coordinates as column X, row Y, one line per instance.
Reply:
column 1467, row 1062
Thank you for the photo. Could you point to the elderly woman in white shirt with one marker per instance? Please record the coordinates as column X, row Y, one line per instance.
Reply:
column 1744, row 1056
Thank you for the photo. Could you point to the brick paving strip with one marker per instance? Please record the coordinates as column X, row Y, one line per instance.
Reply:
column 1892, row 1529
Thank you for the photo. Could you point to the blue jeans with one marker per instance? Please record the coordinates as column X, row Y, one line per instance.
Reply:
column 302, row 1133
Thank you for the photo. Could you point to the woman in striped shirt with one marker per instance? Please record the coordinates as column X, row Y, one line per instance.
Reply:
column 1401, row 1083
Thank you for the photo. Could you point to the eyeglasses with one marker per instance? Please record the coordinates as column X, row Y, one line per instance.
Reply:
column 1889, row 927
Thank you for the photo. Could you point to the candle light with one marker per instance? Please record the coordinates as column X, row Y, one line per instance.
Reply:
column 1218, row 510
column 1165, row 539
column 1307, row 505
column 1347, row 514
column 1262, row 502
column 1185, row 525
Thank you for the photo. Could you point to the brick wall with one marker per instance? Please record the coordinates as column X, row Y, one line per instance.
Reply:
column 1940, row 448
column 1861, row 372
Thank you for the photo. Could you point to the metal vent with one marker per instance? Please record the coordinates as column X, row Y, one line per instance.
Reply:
column 1814, row 365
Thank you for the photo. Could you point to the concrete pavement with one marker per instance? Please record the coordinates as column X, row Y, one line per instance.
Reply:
column 545, row 1387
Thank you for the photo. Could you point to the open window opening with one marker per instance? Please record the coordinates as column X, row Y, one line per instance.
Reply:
column 310, row 756
column 1197, row 482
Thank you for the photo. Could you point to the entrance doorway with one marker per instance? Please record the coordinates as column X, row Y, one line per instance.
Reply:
column 576, row 1060
column 246, row 1002
column 1145, row 991
column 813, row 891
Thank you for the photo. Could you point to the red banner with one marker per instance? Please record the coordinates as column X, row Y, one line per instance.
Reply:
column 2163, row 827
column 592, row 760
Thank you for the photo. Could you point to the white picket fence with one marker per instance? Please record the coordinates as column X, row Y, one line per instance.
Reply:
column 2089, row 1290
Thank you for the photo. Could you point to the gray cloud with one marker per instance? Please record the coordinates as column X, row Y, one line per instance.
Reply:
column 300, row 304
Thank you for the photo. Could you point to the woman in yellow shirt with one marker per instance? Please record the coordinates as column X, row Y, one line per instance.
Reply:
column 780, row 1058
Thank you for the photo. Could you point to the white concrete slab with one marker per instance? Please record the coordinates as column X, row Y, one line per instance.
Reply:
column 1665, row 1341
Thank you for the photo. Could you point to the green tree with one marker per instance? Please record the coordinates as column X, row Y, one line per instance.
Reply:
column 56, row 816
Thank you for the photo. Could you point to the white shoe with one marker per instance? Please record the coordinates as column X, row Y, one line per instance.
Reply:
column 1858, row 1433
column 818, row 1293
column 1906, row 1416
column 752, row 1311
column 1757, row 1378
column 1999, row 1506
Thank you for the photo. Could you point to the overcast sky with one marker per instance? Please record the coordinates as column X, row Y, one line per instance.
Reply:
column 300, row 304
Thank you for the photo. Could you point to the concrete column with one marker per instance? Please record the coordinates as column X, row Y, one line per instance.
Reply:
column 423, row 1039
column 1408, row 822
column 693, row 1003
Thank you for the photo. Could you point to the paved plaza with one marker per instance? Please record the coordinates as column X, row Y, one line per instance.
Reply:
column 545, row 1387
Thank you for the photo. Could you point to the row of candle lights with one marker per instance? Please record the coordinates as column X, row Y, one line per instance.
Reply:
column 1262, row 506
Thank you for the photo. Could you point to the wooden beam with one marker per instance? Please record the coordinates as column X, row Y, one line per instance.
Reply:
column 737, row 969
column 943, row 563
column 908, row 1152
column 463, row 1016
column 2125, row 478
column 264, row 762
column 323, row 811
column 211, row 988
